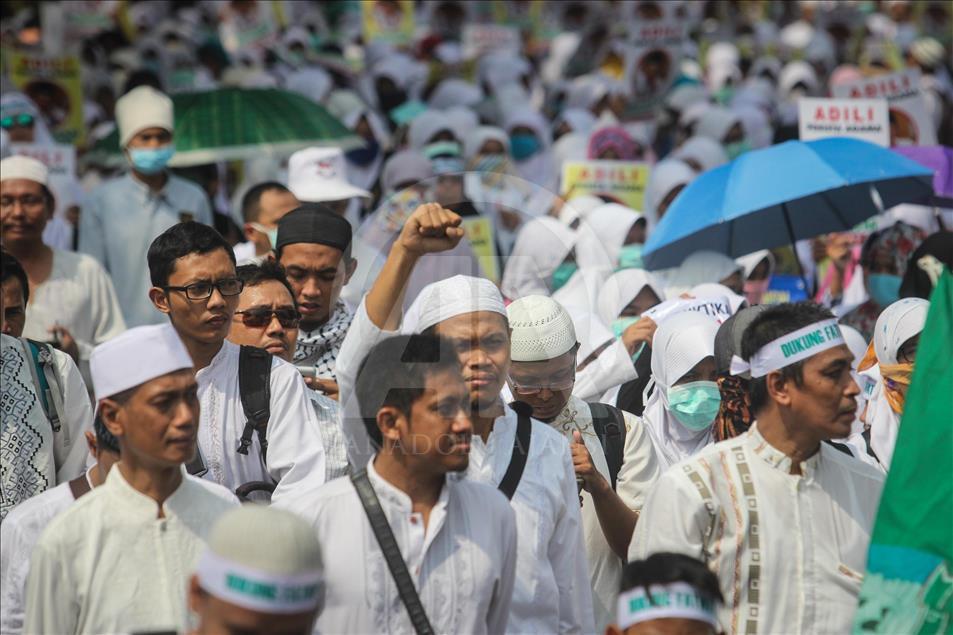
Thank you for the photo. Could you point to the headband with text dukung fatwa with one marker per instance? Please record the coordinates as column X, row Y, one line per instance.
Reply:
column 790, row 348
column 257, row 590
column 677, row 599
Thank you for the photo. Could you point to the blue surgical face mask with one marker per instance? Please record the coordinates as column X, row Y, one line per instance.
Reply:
column 630, row 257
column 363, row 156
column 736, row 149
column 151, row 160
column 562, row 274
column 884, row 288
column 695, row 404
column 620, row 324
column 523, row 145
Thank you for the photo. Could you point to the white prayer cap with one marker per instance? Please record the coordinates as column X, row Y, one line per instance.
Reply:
column 284, row 578
column 143, row 107
column 22, row 167
column 136, row 356
column 449, row 298
column 317, row 175
column 541, row 329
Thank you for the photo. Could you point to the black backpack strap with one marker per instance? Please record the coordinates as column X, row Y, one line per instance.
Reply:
column 395, row 562
column 524, row 430
column 609, row 424
column 254, row 385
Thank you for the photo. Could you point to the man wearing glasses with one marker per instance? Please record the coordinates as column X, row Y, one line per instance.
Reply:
column 268, row 318
column 613, row 476
column 194, row 282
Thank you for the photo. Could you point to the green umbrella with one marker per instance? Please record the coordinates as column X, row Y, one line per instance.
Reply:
column 238, row 123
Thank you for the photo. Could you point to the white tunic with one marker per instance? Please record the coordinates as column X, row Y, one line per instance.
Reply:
column 552, row 588
column 79, row 295
column 638, row 473
column 18, row 534
column 462, row 563
column 109, row 564
column 295, row 454
column 789, row 550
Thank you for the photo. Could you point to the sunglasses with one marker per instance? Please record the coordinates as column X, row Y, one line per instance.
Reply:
column 259, row 318
column 22, row 120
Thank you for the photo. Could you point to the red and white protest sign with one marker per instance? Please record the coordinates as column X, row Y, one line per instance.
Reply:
column 865, row 119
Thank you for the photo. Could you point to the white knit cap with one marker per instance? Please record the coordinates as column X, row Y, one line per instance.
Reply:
column 541, row 329
column 21, row 167
column 317, row 175
column 136, row 356
column 284, row 578
column 143, row 107
column 449, row 298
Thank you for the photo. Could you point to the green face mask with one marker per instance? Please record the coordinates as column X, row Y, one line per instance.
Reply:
column 620, row 324
column 562, row 274
column 630, row 257
column 736, row 149
column 695, row 404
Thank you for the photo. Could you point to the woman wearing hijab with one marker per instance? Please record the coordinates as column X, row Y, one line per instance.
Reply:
column 530, row 147
column 668, row 178
column 758, row 267
column 613, row 143
column 701, row 153
column 894, row 351
column 884, row 262
column 575, row 120
column 620, row 232
column 725, row 127
column 705, row 266
column 542, row 260
column 684, row 401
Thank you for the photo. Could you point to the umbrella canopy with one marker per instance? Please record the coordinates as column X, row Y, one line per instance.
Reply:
column 784, row 193
column 940, row 160
column 238, row 123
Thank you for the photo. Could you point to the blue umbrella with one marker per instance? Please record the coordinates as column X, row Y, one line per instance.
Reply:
column 784, row 193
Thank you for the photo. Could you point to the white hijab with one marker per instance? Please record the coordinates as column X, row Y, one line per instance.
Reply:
column 679, row 343
column 621, row 288
column 898, row 323
column 579, row 119
column 666, row 175
column 611, row 223
column 700, row 267
column 705, row 151
column 541, row 245
column 540, row 168
column 475, row 138
column 424, row 127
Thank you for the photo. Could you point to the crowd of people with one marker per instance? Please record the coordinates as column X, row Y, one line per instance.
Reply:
column 415, row 381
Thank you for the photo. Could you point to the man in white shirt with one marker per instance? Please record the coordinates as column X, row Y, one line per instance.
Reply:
column 121, row 217
column 194, row 283
column 456, row 537
column 46, row 406
column 267, row 318
column 73, row 300
column 240, row 586
column 781, row 517
column 23, row 526
column 552, row 592
column 118, row 560
column 543, row 349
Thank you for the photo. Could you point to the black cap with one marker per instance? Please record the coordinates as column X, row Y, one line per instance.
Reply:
column 314, row 223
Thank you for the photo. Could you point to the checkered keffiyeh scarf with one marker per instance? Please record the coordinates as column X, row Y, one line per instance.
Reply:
column 319, row 348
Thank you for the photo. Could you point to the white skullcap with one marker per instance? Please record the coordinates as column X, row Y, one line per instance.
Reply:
column 143, row 107
column 284, row 578
column 449, row 298
column 927, row 51
column 21, row 167
column 541, row 329
column 136, row 356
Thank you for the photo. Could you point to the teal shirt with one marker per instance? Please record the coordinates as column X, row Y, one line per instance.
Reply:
column 120, row 220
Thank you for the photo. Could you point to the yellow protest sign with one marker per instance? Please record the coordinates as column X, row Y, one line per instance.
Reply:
column 388, row 21
column 622, row 181
column 53, row 83
column 479, row 231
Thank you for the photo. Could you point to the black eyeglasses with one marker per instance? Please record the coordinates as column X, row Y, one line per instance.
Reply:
column 22, row 120
column 203, row 290
column 258, row 318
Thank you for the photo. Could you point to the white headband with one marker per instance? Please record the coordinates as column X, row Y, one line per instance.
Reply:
column 257, row 590
column 678, row 599
column 791, row 348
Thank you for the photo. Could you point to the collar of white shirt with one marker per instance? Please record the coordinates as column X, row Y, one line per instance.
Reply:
column 778, row 459
column 137, row 504
column 393, row 497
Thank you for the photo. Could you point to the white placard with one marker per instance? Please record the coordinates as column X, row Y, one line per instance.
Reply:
column 865, row 119
column 910, row 123
column 479, row 39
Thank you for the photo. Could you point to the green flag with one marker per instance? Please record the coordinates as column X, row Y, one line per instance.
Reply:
column 909, row 582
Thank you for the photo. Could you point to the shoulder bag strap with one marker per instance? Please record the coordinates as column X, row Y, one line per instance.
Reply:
column 254, row 386
column 395, row 562
column 524, row 429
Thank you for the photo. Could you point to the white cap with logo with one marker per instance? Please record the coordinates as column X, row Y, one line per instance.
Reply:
column 319, row 175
